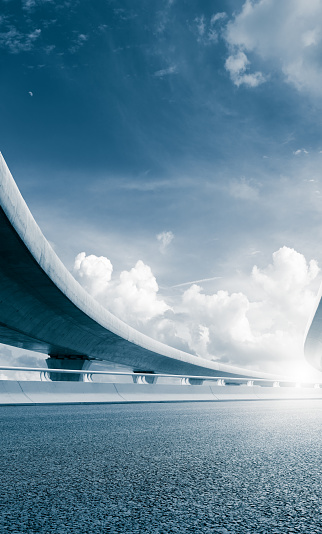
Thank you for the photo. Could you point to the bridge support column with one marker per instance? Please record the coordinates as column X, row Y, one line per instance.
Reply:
column 191, row 381
column 148, row 378
column 67, row 363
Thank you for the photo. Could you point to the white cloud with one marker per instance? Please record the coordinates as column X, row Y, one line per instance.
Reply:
column 200, row 25
column 78, row 43
column 28, row 4
column 300, row 151
column 133, row 297
column 94, row 273
column 236, row 65
column 243, row 189
column 165, row 239
column 218, row 16
column 163, row 17
column 285, row 282
column 166, row 72
column 259, row 328
column 207, row 30
column 285, row 34
column 224, row 315
column 15, row 41
column 49, row 48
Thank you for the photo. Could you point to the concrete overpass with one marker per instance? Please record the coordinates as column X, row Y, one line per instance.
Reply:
column 44, row 309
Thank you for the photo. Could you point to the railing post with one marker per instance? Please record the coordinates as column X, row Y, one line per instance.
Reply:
column 220, row 382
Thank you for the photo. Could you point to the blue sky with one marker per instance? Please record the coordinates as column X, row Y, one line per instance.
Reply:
column 185, row 135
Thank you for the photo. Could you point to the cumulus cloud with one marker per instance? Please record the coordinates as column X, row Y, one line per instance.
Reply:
column 236, row 65
column 165, row 239
column 224, row 316
column 136, row 294
column 94, row 273
column 285, row 282
column 287, row 34
column 259, row 328
column 132, row 297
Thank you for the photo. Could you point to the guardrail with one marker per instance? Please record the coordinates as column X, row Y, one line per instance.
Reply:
column 151, row 378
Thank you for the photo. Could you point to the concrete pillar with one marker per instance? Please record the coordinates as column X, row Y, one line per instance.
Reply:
column 191, row 381
column 68, row 363
column 144, row 379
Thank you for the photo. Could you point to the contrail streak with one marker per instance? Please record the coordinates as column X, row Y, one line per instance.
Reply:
column 196, row 281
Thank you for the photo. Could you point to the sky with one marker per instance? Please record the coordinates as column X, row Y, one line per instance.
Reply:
column 171, row 153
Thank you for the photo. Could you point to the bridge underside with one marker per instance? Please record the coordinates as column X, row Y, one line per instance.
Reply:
column 44, row 309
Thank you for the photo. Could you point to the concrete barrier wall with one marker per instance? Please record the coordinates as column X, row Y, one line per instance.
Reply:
column 13, row 393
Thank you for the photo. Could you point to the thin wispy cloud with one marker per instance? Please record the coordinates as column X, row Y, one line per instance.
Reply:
column 218, row 17
column 200, row 26
column 208, row 29
column 78, row 43
column 166, row 72
column 15, row 41
column 165, row 238
column 243, row 189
